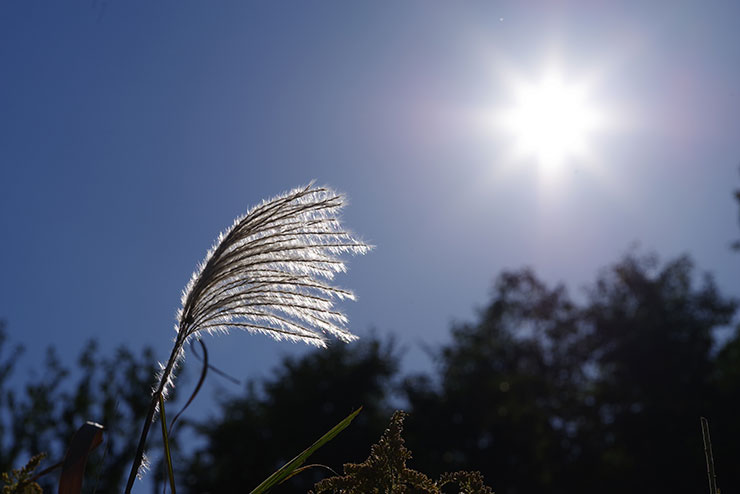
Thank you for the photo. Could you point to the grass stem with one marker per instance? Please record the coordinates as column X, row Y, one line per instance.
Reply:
column 709, row 456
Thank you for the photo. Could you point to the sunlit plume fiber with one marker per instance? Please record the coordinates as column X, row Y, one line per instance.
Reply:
column 267, row 272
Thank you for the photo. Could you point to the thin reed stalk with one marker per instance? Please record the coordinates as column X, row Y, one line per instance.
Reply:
column 709, row 455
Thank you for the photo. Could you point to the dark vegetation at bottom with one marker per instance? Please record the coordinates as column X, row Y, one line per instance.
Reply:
column 542, row 393
column 385, row 471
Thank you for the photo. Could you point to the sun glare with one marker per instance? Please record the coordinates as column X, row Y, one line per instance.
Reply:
column 551, row 120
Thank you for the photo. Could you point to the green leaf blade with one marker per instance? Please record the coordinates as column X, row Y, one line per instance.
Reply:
column 286, row 470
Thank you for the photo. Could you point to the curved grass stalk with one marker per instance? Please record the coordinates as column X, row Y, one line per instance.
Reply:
column 265, row 274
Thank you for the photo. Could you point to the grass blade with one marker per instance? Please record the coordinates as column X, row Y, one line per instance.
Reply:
column 202, row 379
column 87, row 438
column 166, row 439
column 286, row 470
column 709, row 456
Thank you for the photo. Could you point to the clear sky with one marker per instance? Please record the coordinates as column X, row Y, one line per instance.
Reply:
column 132, row 132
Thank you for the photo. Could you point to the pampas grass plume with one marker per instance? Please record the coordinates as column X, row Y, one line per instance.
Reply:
column 269, row 273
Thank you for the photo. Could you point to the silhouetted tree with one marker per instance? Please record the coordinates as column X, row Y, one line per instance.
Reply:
column 725, row 426
column 724, row 423
column 111, row 390
column 508, row 392
column 542, row 395
column 650, row 338
column 261, row 431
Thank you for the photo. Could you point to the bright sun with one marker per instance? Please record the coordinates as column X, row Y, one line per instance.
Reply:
column 551, row 120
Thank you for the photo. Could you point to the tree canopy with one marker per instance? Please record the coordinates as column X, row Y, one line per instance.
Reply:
column 259, row 432
column 541, row 392
column 44, row 415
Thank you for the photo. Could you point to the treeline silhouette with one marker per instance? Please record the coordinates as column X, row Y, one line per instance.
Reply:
column 43, row 415
column 541, row 393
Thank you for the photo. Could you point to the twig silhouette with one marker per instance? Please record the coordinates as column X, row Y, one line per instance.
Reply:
column 709, row 456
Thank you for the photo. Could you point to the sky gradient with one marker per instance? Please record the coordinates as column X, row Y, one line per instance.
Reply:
column 132, row 133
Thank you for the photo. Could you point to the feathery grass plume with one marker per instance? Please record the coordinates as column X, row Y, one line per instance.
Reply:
column 267, row 274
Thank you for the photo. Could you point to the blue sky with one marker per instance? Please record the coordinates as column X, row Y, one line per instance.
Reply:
column 131, row 133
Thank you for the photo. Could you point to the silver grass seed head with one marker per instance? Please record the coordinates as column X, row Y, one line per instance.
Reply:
column 144, row 467
column 268, row 272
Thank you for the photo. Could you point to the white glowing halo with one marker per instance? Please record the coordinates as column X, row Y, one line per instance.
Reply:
column 551, row 120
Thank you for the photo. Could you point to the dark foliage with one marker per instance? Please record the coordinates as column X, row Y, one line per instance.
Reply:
column 385, row 471
column 21, row 480
column 263, row 430
column 510, row 392
column 112, row 391
column 544, row 396
column 650, row 338
column 541, row 394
